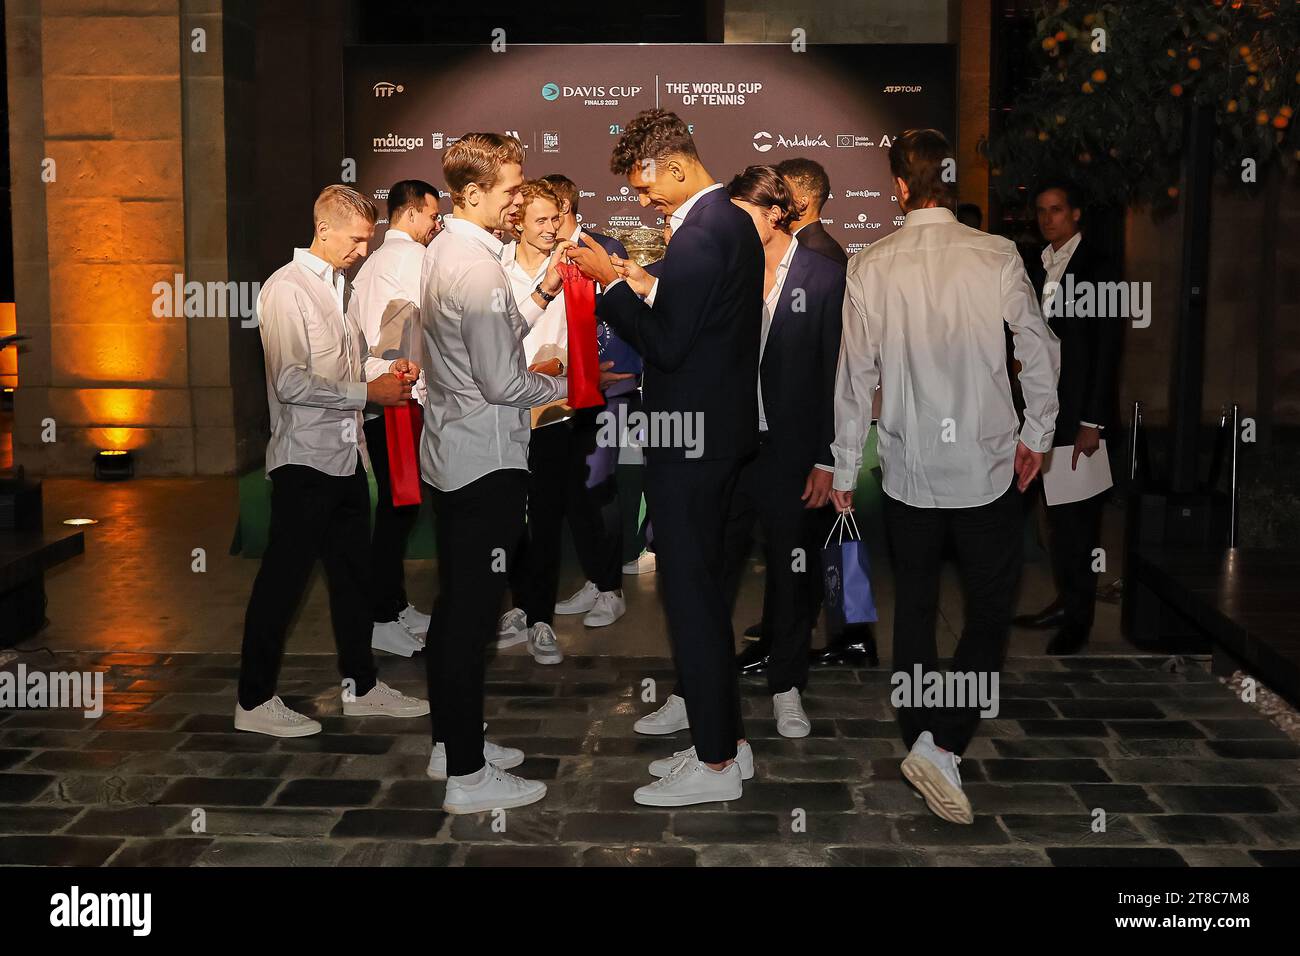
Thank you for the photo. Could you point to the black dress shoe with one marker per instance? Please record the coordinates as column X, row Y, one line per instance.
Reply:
column 753, row 659
column 856, row 647
column 1065, row 642
column 1048, row 619
column 754, row 632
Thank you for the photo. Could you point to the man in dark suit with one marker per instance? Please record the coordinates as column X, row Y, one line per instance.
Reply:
column 698, row 333
column 1090, row 352
column 788, row 482
column 811, row 187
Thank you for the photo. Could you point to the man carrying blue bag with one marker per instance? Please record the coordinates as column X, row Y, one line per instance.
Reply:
column 846, row 573
column 923, row 317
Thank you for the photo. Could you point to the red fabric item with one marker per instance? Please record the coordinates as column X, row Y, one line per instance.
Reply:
column 402, row 426
column 584, row 356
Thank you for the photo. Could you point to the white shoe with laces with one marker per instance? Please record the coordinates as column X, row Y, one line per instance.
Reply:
column 383, row 701
column 580, row 601
column 274, row 719
column 491, row 788
column 644, row 563
column 542, row 644
column 668, row 719
column 791, row 721
column 692, row 782
column 415, row 621
column 665, row 765
column 507, row 758
column 393, row 637
column 609, row 607
column 512, row 628
column 933, row 771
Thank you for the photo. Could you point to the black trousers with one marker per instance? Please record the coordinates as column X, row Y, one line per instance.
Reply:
column 593, row 507
column 313, row 516
column 988, row 543
column 688, row 502
column 392, row 529
column 1076, row 531
column 477, row 529
column 535, row 570
column 767, row 494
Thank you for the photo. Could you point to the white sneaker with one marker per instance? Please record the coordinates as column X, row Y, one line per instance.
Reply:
column 691, row 782
column 642, row 564
column 791, row 721
column 393, row 637
column 668, row 719
column 504, row 757
column 610, row 606
column 415, row 621
column 665, row 765
column 274, row 719
column 543, row 645
column 383, row 701
column 580, row 601
column 512, row 629
column 491, row 788
column 933, row 771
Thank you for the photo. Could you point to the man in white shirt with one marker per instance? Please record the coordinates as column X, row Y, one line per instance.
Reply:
column 386, row 304
column 474, row 452
column 318, row 378
column 923, row 316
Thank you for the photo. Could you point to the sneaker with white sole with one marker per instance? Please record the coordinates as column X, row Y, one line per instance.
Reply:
column 668, row 719
column 933, row 771
column 274, row 719
column 491, row 788
column 383, row 701
column 609, row 607
column 543, row 645
column 644, row 563
column 415, row 621
column 791, row 721
column 393, row 637
column 507, row 758
column 692, row 782
column 512, row 628
column 665, row 765
column 580, row 601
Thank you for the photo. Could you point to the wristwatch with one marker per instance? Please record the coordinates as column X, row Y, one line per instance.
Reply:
column 546, row 296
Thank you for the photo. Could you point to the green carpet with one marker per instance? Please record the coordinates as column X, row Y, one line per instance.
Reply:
column 255, row 510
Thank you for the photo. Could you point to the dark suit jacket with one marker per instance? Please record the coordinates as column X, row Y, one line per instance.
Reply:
column 699, row 342
column 815, row 237
column 800, row 359
column 1090, row 350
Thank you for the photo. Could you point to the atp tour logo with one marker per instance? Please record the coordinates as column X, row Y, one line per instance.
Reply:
column 383, row 89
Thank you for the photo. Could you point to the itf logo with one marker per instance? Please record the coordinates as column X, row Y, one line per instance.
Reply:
column 550, row 91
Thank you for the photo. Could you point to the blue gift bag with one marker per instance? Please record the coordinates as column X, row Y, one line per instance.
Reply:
column 846, row 573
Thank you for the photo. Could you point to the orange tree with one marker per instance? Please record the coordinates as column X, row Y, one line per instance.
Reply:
column 1115, row 82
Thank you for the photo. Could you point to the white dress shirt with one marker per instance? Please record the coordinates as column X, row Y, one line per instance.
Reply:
column 385, row 302
column 548, row 329
column 769, row 310
column 476, row 417
column 316, row 368
column 923, row 311
column 1055, row 262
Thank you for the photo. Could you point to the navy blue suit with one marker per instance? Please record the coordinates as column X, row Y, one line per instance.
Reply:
column 699, row 343
column 798, row 380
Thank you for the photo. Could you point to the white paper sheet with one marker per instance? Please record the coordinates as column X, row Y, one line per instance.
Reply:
column 1063, row 485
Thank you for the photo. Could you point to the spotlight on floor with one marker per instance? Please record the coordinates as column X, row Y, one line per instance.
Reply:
column 114, row 465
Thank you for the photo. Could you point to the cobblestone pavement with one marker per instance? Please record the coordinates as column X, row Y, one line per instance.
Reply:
column 1185, row 773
